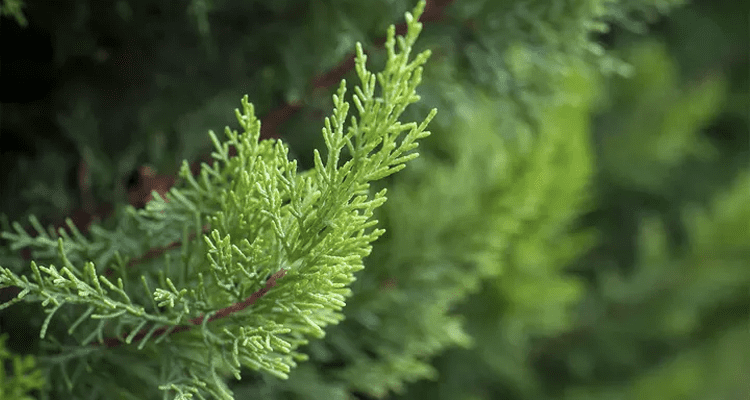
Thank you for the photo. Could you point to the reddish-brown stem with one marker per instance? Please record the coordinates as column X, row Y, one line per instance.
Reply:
column 83, row 217
column 271, row 282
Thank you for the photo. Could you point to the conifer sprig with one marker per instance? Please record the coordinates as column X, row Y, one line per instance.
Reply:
column 308, row 231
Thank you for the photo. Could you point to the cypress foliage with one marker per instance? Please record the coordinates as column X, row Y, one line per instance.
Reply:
column 266, row 227
column 576, row 225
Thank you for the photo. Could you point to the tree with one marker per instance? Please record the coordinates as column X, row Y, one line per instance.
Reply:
column 550, row 241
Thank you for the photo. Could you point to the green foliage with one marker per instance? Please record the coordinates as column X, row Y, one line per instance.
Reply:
column 576, row 225
column 479, row 213
column 523, row 48
column 13, row 8
column 657, row 132
column 670, row 297
column 309, row 230
column 526, row 188
column 696, row 299
column 25, row 376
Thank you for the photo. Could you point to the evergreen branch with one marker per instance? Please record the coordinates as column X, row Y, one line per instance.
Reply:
column 434, row 11
column 314, row 228
column 148, row 333
column 25, row 376
column 157, row 251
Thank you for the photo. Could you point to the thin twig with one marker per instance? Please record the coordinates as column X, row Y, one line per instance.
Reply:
column 271, row 282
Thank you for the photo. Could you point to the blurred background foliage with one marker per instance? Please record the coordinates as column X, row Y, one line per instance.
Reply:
column 577, row 227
